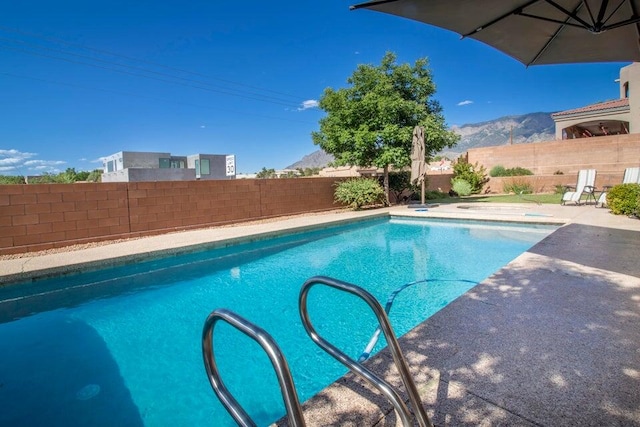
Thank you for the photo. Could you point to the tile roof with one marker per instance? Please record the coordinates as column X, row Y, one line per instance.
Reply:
column 616, row 104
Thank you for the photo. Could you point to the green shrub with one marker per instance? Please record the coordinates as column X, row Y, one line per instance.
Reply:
column 359, row 192
column 516, row 186
column 474, row 175
column 497, row 170
column 517, row 171
column 623, row 199
column 559, row 189
column 461, row 186
column 428, row 195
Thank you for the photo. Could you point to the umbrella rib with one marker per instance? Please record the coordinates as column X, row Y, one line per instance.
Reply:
column 370, row 3
column 553, row 37
column 613, row 12
column 586, row 4
column 603, row 9
column 571, row 14
column 498, row 19
column 621, row 24
column 635, row 13
column 555, row 21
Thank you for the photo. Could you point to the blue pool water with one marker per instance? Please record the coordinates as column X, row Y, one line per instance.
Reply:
column 121, row 347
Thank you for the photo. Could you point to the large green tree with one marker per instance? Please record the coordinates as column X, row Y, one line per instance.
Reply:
column 371, row 122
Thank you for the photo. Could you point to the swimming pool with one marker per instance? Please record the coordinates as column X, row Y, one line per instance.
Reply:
column 121, row 347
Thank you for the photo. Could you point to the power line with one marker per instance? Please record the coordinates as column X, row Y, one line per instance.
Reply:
column 139, row 96
column 255, row 97
column 189, row 82
column 89, row 48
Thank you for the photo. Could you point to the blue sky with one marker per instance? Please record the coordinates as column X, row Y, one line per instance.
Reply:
column 82, row 80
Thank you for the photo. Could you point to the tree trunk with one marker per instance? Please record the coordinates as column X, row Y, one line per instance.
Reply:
column 386, row 185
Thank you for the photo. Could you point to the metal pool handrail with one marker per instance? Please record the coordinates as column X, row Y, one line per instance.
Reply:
column 268, row 344
column 384, row 387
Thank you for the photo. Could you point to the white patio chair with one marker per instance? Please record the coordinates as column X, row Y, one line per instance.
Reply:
column 585, row 185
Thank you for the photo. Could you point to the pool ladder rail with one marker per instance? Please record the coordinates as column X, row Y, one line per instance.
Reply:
column 294, row 411
column 268, row 344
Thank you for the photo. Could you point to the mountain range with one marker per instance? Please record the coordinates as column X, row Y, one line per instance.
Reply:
column 522, row 129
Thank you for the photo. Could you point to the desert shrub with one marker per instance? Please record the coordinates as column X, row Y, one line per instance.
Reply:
column 474, row 175
column 623, row 199
column 517, row 187
column 558, row 172
column 517, row 171
column 461, row 186
column 359, row 192
column 497, row 170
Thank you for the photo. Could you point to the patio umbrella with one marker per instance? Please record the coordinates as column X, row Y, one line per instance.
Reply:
column 534, row 32
column 418, row 164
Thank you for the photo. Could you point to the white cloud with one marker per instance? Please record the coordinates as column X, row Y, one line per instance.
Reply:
column 13, row 157
column 465, row 102
column 309, row 103
column 21, row 163
column 40, row 163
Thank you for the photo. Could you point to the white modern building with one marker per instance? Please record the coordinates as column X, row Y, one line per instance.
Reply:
column 134, row 166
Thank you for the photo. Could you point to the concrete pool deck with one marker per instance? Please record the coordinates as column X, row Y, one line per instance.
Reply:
column 551, row 339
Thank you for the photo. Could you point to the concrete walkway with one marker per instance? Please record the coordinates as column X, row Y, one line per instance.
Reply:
column 552, row 339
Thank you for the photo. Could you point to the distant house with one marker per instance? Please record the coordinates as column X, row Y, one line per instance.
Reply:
column 615, row 117
column 350, row 171
column 133, row 166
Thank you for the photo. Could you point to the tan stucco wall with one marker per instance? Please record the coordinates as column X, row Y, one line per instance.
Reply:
column 631, row 75
column 606, row 154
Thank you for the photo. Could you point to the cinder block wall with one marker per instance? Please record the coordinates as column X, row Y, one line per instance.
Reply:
column 45, row 216
column 37, row 216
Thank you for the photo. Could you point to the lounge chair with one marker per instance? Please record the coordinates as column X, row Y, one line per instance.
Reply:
column 631, row 176
column 585, row 185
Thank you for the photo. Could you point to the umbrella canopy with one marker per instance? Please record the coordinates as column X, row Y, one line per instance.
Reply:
column 534, row 31
column 418, row 165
